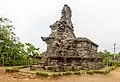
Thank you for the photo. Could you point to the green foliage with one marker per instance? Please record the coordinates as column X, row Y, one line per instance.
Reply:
column 105, row 71
column 56, row 75
column 67, row 73
column 90, row 72
column 42, row 74
column 32, row 52
column 12, row 51
column 78, row 73
column 12, row 70
column 19, row 67
column 107, row 57
column 115, row 63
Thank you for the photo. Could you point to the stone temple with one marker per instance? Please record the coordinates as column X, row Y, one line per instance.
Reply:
column 65, row 52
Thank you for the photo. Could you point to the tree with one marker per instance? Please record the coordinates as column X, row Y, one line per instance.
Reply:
column 107, row 57
column 32, row 52
column 7, row 36
column 12, row 51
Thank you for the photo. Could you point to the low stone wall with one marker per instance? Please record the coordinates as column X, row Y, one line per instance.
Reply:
column 39, row 74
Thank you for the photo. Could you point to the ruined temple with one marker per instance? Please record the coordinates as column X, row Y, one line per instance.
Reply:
column 65, row 52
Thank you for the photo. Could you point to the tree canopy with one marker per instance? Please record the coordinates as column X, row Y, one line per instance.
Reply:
column 12, row 51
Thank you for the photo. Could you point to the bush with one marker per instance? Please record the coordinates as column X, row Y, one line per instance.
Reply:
column 19, row 67
column 56, row 74
column 8, row 70
column 77, row 73
column 105, row 71
column 15, row 69
column 100, row 72
column 115, row 63
column 90, row 72
column 111, row 68
column 42, row 74
column 67, row 73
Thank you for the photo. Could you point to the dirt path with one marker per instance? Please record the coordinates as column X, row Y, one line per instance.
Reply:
column 2, row 71
column 114, row 76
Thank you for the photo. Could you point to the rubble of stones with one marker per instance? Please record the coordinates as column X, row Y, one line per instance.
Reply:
column 65, row 52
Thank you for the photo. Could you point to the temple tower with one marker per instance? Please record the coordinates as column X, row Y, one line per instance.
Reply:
column 65, row 52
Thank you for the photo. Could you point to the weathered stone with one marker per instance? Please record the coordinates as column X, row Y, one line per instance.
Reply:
column 65, row 52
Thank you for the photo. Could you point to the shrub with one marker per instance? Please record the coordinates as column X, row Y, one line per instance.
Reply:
column 110, row 68
column 20, row 67
column 105, row 70
column 77, row 73
column 90, row 72
column 67, row 73
column 100, row 72
column 11, row 70
column 56, row 74
column 42, row 74
column 115, row 63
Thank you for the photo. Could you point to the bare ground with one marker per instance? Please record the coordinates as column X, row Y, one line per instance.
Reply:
column 113, row 76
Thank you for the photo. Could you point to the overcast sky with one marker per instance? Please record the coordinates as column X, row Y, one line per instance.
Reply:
column 98, row 20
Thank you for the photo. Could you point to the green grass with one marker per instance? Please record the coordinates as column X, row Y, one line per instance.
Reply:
column 11, row 69
column 105, row 71
column 42, row 74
